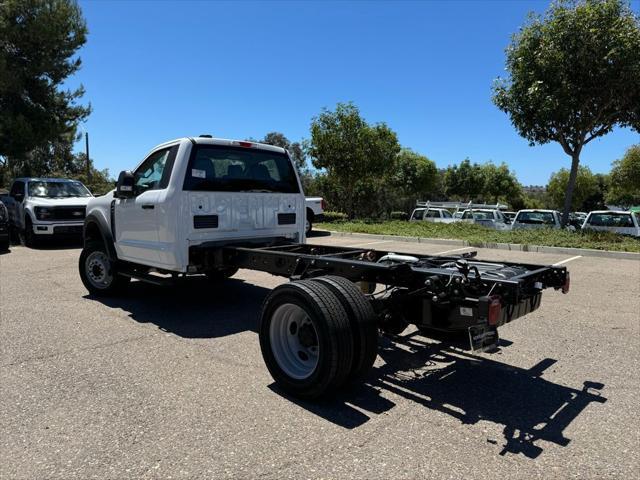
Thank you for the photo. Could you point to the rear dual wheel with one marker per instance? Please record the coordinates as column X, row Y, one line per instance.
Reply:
column 311, row 336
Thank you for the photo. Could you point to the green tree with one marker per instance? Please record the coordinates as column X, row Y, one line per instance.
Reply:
column 625, row 179
column 295, row 148
column 465, row 181
column 38, row 43
column 586, row 185
column 356, row 156
column 413, row 177
column 597, row 200
column 499, row 183
column 574, row 75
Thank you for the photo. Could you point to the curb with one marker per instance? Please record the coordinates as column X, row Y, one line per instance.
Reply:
column 515, row 247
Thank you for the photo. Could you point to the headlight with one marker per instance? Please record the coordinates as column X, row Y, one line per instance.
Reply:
column 43, row 213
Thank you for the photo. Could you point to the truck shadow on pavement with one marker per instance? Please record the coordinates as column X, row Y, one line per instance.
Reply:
column 467, row 387
column 193, row 308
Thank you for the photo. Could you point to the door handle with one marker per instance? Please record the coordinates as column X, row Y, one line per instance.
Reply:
column 148, row 206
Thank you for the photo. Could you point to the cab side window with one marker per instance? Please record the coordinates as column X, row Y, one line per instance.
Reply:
column 155, row 171
column 17, row 189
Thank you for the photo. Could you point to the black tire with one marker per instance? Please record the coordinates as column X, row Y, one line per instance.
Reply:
column 27, row 237
column 309, row 222
column 4, row 246
column 221, row 274
column 362, row 319
column 90, row 260
column 333, row 337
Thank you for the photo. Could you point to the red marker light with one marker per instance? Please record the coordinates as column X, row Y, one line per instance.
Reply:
column 323, row 204
column 245, row 144
column 495, row 310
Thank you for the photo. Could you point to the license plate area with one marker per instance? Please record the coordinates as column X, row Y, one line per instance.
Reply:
column 483, row 338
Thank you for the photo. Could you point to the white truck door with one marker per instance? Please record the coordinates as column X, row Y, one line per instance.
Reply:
column 136, row 219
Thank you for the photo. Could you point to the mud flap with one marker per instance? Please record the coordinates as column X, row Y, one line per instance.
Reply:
column 483, row 338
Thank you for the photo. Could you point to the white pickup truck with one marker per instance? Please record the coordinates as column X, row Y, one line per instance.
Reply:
column 437, row 215
column 487, row 217
column 46, row 207
column 622, row 222
column 529, row 219
column 205, row 206
column 315, row 212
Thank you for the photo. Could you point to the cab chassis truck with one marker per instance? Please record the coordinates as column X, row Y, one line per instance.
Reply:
column 319, row 331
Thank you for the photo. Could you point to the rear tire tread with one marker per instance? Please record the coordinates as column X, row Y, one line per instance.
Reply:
column 327, row 310
column 362, row 320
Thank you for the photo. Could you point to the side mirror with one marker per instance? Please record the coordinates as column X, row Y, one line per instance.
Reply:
column 124, row 187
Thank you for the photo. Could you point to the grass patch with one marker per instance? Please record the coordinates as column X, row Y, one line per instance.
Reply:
column 477, row 234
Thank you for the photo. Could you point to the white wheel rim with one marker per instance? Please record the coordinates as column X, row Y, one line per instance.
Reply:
column 294, row 341
column 98, row 270
column 307, row 226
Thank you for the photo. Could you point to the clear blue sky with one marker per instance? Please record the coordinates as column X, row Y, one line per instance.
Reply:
column 155, row 70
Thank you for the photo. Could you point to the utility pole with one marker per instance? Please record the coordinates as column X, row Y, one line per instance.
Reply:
column 86, row 147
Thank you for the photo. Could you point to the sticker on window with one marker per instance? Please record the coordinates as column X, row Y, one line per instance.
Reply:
column 198, row 173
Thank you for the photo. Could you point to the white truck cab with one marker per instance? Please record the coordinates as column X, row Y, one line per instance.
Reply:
column 487, row 217
column 536, row 218
column 43, row 207
column 315, row 212
column 190, row 192
column 438, row 215
column 623, row 222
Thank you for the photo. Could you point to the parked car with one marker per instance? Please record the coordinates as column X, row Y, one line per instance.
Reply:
column 487, row 217
column 438, row 215
column 315, row 211
column 626, row 223
column 4, row 228
column 534, row 218
column 44, row 207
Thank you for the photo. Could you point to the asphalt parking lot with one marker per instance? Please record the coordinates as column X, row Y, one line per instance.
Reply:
column 170, row 383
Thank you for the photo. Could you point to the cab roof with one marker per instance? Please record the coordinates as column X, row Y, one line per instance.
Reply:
column 45, row 179
column 209, row 140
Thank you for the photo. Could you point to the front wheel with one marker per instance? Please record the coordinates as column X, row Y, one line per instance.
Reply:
column 98, row 273
column 27, row 237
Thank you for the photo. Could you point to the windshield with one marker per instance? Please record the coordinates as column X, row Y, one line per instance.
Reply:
column 611, row 220
column 482, row 215
column 217, row 168
column 538, row 218
column 44, row 189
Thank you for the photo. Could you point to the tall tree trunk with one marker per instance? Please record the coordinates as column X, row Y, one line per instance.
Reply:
column 575, row 161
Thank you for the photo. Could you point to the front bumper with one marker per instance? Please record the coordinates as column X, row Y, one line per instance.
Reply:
column 62, row 228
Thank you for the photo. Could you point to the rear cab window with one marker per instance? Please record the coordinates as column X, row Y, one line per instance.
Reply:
column 616, row 220
column 220, row 168
column 536, row 218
